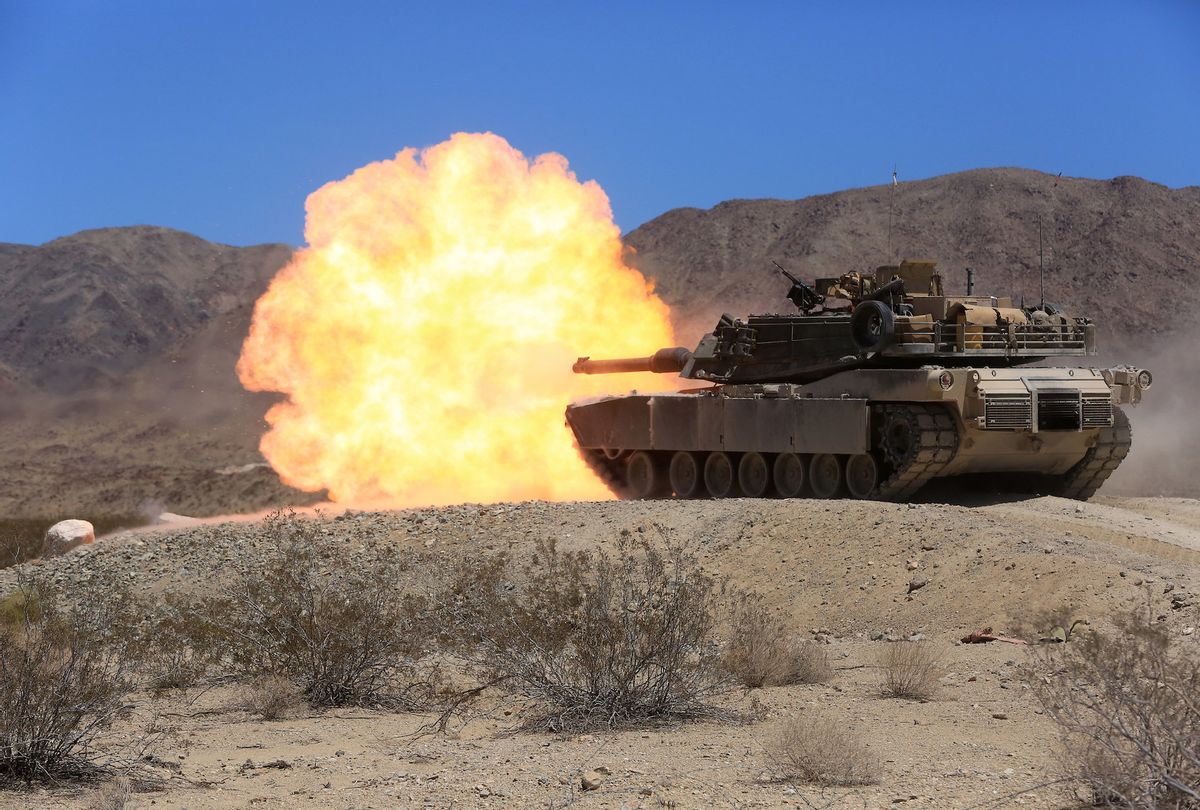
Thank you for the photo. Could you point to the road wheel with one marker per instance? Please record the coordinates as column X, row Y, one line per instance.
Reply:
column 899, row 437
column 718, row 475
column 753, row 475
column 825, row 475
column 862, row 475
column 685, row 474
column 789, row 475
column 644, row 477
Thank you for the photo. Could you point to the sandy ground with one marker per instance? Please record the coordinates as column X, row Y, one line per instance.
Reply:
column 840, row 567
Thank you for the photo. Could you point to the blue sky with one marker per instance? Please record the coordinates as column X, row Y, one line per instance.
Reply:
column 220, row 117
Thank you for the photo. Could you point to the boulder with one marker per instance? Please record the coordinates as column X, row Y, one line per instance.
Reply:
column 66, row 535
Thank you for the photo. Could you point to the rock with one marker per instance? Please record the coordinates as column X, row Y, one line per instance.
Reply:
column 917, row 583
column 999, row 715
column 594, row 778
column 912, row 565
column 1187, row 631
column 66, row 535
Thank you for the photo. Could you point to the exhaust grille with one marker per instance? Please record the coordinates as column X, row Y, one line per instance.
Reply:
column 1007, row 411
column 1059, row 411
column 1097, row 411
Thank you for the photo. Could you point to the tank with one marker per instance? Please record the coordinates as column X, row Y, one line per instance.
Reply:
column 879, row 384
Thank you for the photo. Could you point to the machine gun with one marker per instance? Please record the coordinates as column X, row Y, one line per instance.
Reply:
column 803, row 296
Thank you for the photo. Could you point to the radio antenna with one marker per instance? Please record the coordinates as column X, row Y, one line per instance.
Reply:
column 891, row 209
column 1041, row 267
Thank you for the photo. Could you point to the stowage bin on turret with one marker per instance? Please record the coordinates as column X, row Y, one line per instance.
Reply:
column 878, row 385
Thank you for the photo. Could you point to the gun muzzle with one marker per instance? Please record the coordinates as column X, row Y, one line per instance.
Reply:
column 663, row 361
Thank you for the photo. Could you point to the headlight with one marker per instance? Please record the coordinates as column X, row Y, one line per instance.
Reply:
column 1144, row 379
column 946, row 380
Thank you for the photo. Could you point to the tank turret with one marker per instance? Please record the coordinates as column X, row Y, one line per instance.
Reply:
column 878, row 384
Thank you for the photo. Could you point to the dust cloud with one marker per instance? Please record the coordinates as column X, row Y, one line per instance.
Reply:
column 1165, row 458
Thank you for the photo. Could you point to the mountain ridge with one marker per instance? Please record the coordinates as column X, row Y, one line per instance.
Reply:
column 706, row 261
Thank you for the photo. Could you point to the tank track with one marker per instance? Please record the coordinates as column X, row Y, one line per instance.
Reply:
column 606, row 469
column 937, row 442
column 1110, row 449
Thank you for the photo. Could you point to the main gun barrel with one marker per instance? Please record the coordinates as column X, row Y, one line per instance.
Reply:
column 663, row 361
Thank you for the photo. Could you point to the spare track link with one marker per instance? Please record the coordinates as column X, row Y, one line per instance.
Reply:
column 937, row 442
column 1111, row 447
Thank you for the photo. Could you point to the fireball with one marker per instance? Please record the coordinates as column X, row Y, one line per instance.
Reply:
column 424, row 336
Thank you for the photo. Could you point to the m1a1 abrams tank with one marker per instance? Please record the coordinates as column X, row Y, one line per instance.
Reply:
column 878, row 385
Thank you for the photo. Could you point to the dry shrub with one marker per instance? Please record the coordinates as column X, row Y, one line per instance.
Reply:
column 821, row 751
column 112, row 795
column 271, row 697
column 175, row 643
column 343, row 631
column 911, row 669
column 1128, row 706
column 60, row 689
column 592, row 640
column 761, row 652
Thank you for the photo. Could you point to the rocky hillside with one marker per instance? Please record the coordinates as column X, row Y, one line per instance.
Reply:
column 80, row 311
column 1125, row 251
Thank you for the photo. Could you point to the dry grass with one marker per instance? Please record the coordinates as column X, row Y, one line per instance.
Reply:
column 592, row 640
column 113, row 795
column 1128, row 706
column 819, row 750
column 18, row 607
column 911, row 669
column 271, row 697
column 761, row 651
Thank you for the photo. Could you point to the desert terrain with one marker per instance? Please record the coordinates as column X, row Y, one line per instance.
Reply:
column 839, row 572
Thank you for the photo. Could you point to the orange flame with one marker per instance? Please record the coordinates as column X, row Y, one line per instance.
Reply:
column 425, row 336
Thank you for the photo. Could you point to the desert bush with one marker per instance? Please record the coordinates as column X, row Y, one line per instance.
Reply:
column 820, row 751
column 591, row 640
column 271, row 697
column 911, row 669
column 1128, row 705
column 173, row 641
column 346, row 634
column 59, row 690
column 761, row 651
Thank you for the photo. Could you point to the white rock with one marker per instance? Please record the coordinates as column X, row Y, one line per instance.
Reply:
column 66, row 535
